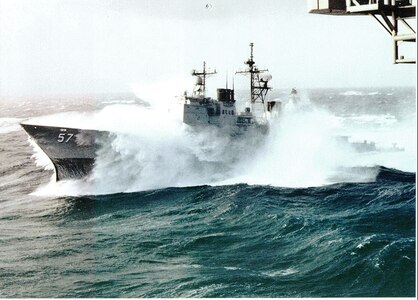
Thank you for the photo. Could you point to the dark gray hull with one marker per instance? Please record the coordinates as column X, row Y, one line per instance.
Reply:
column 72, row 151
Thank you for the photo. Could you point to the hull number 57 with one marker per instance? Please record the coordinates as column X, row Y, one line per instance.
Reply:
column 64, row 137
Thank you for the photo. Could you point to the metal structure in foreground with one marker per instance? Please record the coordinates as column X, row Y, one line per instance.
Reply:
column 393, row 15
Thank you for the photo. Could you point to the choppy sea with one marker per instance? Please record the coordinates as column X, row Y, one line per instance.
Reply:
column 169, row 212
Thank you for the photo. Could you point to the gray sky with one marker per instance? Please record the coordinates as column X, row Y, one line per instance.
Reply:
column 50, row 47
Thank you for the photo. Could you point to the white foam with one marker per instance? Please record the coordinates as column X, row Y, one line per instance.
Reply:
column 299, row 152
column 151, row 148
column 352, row 93
column 285, row 272
column 40, row 158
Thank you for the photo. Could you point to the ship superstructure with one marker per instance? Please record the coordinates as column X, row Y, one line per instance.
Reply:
column 259, row 80
column 200, row 110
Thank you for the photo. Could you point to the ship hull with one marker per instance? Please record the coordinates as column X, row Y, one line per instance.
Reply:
column 72, row 151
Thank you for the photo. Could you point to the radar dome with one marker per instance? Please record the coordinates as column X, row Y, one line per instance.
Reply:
column 199, row 80
column 266, row 77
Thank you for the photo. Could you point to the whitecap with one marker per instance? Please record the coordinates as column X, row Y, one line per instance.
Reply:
column 285, row 272
column 352, row 93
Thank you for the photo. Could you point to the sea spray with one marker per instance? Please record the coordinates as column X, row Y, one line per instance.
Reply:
column 339, row 240
column 301, row 149
column 40, row 158
column 394, row 139
column 150, row 148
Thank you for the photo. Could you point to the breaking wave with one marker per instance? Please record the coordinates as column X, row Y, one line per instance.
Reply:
column 151, row 148
column 352, row 93
column 359, row 93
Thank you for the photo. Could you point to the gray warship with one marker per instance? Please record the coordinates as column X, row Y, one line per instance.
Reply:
column 73, row 151
column 200, row 110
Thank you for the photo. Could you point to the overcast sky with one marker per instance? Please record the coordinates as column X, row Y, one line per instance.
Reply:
column 91, row 46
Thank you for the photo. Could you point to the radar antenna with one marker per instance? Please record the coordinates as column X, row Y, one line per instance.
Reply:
column 200, row 86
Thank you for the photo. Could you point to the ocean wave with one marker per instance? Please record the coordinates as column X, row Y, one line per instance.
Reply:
column 352, row 233
column 269, row 243
column 149, row 149
column 370, row 120
column 389, row 174
column 359, row 93
column 285, row 272
column 352, row 93
column 118, row 102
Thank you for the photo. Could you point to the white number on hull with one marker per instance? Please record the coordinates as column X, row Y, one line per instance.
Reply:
column 64, row 137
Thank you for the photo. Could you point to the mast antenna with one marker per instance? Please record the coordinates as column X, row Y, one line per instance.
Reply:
column 258, row 85
column 200, row 89
column 226, row 83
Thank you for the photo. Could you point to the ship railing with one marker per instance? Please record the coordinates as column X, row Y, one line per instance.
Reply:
column 368, row 6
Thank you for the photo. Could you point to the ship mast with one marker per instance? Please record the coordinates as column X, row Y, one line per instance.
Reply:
column 258, row 85
column 200, row 89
